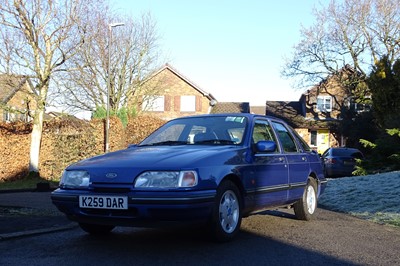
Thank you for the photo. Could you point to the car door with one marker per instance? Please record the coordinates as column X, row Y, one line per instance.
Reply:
column 271, row 171
column 297, row 160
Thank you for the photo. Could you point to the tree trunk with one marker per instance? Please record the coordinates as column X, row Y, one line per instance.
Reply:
column 38, row 38
column 36, row 135
column 36, row 139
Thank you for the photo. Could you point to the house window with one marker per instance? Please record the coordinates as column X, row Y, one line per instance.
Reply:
column 362, row 107
column 24, row 117
column 359, row 107
column 324, row 103
column 6, row 116
column 16, row 115
column 188, row 103
column 153, row 103
column 313, row 138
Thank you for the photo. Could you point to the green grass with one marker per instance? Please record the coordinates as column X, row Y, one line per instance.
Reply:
column 29, row 182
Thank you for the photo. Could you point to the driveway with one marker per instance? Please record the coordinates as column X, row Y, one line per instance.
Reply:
column 269, row 238
column 333, row 234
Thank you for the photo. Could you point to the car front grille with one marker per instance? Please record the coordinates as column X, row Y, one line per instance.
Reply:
column 111, row 190
column 131, row 212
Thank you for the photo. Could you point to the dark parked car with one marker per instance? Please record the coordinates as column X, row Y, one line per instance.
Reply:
column 212, row 169
column 340, row 162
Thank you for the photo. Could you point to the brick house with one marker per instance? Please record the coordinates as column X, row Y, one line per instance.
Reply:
column 169, row 94
column 318, row 112
column 17, row 99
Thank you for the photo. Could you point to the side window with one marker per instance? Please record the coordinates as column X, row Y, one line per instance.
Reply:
column 262, row 131
column 284, row 136
column 303, row 144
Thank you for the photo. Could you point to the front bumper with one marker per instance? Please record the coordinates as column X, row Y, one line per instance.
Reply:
column 144, row 209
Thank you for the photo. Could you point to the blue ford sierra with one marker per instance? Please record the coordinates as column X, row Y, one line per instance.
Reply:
column 213, row 169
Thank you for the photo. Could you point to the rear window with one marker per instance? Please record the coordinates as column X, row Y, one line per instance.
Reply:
column 345, row 152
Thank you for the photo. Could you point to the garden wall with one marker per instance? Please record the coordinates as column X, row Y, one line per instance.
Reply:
column 64, row 141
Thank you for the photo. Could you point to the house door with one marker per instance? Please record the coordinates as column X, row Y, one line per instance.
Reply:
column 322, row 140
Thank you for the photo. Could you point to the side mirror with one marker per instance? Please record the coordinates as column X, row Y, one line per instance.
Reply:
column 266, row 146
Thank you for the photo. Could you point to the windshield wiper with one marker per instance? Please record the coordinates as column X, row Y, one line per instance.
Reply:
column 215, row 141
column 168, row 142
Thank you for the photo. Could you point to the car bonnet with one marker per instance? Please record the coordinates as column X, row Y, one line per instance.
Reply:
column 123, row 166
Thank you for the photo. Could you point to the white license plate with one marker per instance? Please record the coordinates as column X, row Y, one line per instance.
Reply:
column 103, row 202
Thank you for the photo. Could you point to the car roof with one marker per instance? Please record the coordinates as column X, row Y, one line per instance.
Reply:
column 344, row 148
column 343, row 151
column 248, row 115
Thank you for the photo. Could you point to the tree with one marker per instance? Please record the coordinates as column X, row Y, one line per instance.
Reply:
column 133, row 55
column 379, row 134
column 384, row 83
column 38, row 38
column 355, row 33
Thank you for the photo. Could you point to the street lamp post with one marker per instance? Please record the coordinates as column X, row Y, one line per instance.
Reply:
column 110, row 26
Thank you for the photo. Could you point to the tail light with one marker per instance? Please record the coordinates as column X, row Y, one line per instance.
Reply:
column 331, row 160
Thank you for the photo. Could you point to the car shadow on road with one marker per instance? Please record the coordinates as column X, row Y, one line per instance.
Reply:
column 281, row 212
column 192, row 246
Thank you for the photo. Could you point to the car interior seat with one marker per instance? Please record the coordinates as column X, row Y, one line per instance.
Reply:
column 199, row 137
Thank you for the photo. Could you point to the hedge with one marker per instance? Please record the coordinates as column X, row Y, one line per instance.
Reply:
column 66, row 140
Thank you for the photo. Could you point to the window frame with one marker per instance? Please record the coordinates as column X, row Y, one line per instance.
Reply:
column 324, row 99
column 153, row 103
column 313, row 137
column 288, row 136
column 188, row 103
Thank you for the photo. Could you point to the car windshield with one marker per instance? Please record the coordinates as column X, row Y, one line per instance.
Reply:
column 201, row 130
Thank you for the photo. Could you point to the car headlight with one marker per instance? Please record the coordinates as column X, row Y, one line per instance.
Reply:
column 75, row 179
column 166, row 179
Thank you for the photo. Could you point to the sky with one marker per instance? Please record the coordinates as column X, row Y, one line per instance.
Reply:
column 233, row 49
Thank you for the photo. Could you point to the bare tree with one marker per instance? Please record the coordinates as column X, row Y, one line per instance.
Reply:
column 133, row 55
column 348, row 33
column 38, row 38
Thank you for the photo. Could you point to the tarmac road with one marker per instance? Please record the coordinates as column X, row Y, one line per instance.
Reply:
column 269, row 238
column 29, row 213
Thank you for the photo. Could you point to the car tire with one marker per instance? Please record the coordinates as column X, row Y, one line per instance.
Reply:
column 227, row 214
column 96, row 229
column 305, row 208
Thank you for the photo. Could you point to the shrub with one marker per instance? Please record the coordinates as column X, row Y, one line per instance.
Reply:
column 384, row 153
column 66, row 140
